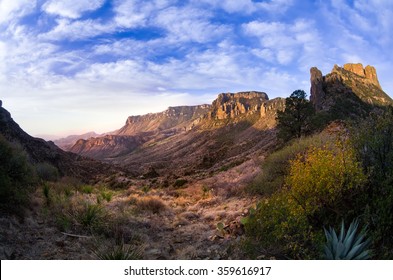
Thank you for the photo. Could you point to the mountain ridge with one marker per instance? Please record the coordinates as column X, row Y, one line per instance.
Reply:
column 249, row 108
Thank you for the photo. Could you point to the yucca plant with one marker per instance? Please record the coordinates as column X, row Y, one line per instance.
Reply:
column 350, row 245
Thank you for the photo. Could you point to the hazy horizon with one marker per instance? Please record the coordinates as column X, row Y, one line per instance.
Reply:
column 70, row 67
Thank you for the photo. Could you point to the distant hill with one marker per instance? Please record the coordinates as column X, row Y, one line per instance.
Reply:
column 39, row 151
column 67, row 142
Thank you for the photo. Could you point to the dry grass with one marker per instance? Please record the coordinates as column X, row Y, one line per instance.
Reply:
column 151, row 204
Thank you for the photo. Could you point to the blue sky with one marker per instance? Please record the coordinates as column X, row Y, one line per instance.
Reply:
column 72, row 66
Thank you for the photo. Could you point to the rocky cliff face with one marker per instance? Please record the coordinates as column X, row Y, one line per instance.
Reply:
column 351, row 84
column 170, row 118
column 231, row 105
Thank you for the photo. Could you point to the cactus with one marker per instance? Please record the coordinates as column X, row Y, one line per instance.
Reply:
column 350, row 245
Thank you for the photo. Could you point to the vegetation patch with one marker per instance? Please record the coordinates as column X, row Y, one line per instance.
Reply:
column 276, row 166
column 17, row 177
column 179, row 183
column 151, row 204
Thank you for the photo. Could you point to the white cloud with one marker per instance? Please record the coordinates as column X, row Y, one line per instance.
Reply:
column 131, row 13
column 358, row 31
column 285, row 43
column 10, row 9
column 74, row 30
column 189, row 24
column 71, row 8
column 275, row 6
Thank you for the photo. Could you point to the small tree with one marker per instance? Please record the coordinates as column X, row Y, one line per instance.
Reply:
column 296, row 120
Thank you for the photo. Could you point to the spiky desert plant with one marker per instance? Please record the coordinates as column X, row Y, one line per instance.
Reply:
column 119, row 252
column 350, row 245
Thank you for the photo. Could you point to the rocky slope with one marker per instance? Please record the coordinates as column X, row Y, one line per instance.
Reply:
column 174, row 117
column 350, row 88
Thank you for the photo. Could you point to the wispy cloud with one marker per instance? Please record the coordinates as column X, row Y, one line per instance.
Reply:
column 71, row 8
column 11, row 10
column 283, row 42
column 249, row 6
column 89, row 64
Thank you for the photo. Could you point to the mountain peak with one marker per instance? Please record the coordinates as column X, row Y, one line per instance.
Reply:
column 350, row 83
column 369, row 72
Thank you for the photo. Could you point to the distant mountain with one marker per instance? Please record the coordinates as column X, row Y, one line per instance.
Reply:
column 67, row 142
column 39, row 151
column 178, row 117
column 191, row 138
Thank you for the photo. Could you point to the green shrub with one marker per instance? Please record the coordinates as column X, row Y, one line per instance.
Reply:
column 319, row 185
column 17, row 177
column 92, row 216
column 179, row 183
column 47, row 172
column 276, row 166
column 278, row 228
column 63, row 222
column 47, row 194
column 119, row 252
column 373, row 142
column 322, row 179
column 107, row 195
column 87, row 189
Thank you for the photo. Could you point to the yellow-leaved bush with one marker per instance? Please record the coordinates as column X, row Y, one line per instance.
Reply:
column 320, row 188
column 324, row 176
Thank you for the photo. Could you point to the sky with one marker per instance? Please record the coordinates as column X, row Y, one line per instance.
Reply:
column 73, row 66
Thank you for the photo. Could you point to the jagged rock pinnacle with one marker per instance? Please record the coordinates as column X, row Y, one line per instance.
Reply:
column 316, row 92
column 369, row 72
column 350, row 82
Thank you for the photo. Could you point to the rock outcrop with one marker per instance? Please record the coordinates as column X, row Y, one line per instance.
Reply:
column 317, row 94
column 369, row 73
column 351, row 84
column 231, row 105
column 270, row 107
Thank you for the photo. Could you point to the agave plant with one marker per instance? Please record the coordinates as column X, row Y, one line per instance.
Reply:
column 350, row 245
